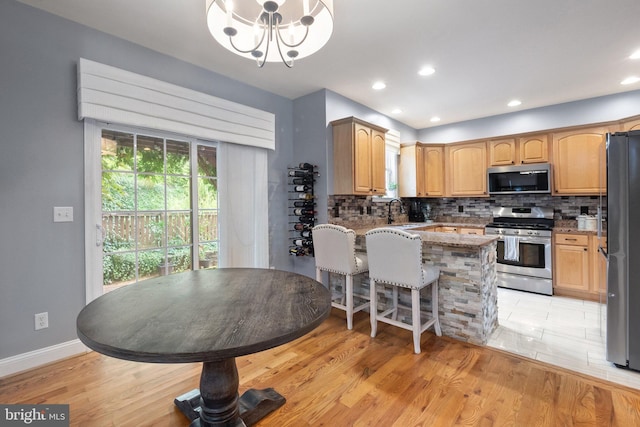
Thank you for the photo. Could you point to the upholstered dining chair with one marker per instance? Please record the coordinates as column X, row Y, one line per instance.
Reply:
column 395, row 258
column 334, row 251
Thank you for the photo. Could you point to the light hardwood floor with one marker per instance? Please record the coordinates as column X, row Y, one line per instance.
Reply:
column 335, row 377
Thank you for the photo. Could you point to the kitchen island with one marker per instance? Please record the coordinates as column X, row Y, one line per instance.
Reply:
column 467, row 287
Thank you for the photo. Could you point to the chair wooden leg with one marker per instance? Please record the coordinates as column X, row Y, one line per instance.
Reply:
column 349, row 293
column 434, row 307
column 415, row 315
column 319, row 275
column 373, row 307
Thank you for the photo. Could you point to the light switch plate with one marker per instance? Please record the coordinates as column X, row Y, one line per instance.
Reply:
column 63, row 214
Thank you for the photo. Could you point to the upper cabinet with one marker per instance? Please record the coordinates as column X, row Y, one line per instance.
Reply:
column 358, row 157
column 577, row 162
column 434, row 174
column 466, row 169
column 421, row 170
column 502, row 152
column 522, row 150
column 533, row 148
column 632, row 124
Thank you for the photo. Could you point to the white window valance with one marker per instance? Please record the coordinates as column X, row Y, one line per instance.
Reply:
column 113, row 95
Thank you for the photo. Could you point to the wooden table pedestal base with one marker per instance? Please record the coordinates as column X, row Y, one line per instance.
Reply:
column 219, row 405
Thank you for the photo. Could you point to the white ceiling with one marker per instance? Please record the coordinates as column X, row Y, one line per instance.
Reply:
column 485, row 53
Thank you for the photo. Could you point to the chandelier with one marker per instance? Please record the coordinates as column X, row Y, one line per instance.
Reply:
column 256, row 29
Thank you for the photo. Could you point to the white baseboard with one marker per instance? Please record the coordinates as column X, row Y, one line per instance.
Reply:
column 33, row 359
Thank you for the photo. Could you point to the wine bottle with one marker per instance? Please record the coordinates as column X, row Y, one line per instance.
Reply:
column 298, row 251
column 303, row 242
column 302, row 173
column 301, row 227
column 306, row 166
column 305, row 233
column 302, row 188
column 303, row 204
column 305, row 196
column 302, row 181
column 304, row 211
column 306, row 219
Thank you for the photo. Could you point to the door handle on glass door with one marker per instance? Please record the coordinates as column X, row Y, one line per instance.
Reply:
column 98, row 235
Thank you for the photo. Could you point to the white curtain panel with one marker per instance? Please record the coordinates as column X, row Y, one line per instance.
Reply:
column 243, row 219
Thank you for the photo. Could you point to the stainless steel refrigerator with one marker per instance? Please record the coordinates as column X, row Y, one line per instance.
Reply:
column 623, row 249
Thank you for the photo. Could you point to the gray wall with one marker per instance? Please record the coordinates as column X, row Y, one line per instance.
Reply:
column 41, row 164
column 594, row 110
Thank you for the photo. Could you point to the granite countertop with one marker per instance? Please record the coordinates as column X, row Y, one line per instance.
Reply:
column 438, row 238
column 574, row 230
column 571, row 226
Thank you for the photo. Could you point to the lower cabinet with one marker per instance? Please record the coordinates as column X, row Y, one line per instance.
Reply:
column 459, row 230
column 576, row 266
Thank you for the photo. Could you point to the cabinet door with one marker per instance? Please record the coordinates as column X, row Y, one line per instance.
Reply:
column 467, row 169
column 598, row 268
column 477, row 231
column 576, row 160
column 571, row 267
column 502, row 152
column 421, row 170
column 630, row 125
column 378, row 165
column 434, row 171
column 534, row 149
column 362, row 157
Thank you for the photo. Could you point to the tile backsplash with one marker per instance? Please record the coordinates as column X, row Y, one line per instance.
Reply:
column 367, row 210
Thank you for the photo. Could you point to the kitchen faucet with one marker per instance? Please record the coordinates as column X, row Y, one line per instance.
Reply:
column 389, row 217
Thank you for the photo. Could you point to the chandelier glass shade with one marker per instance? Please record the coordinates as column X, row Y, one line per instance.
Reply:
column 272, row 30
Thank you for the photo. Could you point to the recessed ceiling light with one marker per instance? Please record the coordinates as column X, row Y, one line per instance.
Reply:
column 514, row 103
column 630, row 80
column 378, row 86
column 635, row 55
column 435, row 119
column 396, row 111
column 426, row 71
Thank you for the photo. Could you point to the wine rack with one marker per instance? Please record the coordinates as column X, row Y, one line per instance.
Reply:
column 302, row 209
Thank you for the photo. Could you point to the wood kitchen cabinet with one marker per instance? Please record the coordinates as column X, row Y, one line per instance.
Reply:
column 469, row 230
column 502, row 152
column 358, row 157
column 571, row 264
column 578, row 267
column 421, row 170
column 533, row 149
column 578, row 167
column 434, row 173
column 523, row 150
column 466, row 169
column 632, row 124
column 446, row 229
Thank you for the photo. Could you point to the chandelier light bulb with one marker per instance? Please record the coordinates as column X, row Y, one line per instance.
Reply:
column 254, row 28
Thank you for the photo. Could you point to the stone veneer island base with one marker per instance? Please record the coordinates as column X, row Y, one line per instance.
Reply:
column 468, row 293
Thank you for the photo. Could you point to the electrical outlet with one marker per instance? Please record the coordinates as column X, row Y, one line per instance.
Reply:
column 42, row 320
column 63, row 214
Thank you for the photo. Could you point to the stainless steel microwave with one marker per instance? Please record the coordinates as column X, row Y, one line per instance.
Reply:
column 533, row 178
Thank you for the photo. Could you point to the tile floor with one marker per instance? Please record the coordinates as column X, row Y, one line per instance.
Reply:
column 561, row 331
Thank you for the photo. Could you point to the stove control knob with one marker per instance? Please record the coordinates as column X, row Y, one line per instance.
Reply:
column 531, row 233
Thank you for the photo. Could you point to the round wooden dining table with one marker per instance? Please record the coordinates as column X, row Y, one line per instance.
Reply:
column 208, row 316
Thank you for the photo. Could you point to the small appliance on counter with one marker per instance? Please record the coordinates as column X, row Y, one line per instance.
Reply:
column 415, row 212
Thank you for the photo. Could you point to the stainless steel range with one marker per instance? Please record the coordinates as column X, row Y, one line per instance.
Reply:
column 524, row 248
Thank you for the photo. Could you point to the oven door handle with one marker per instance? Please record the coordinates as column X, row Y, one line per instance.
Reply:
column 528, row 239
